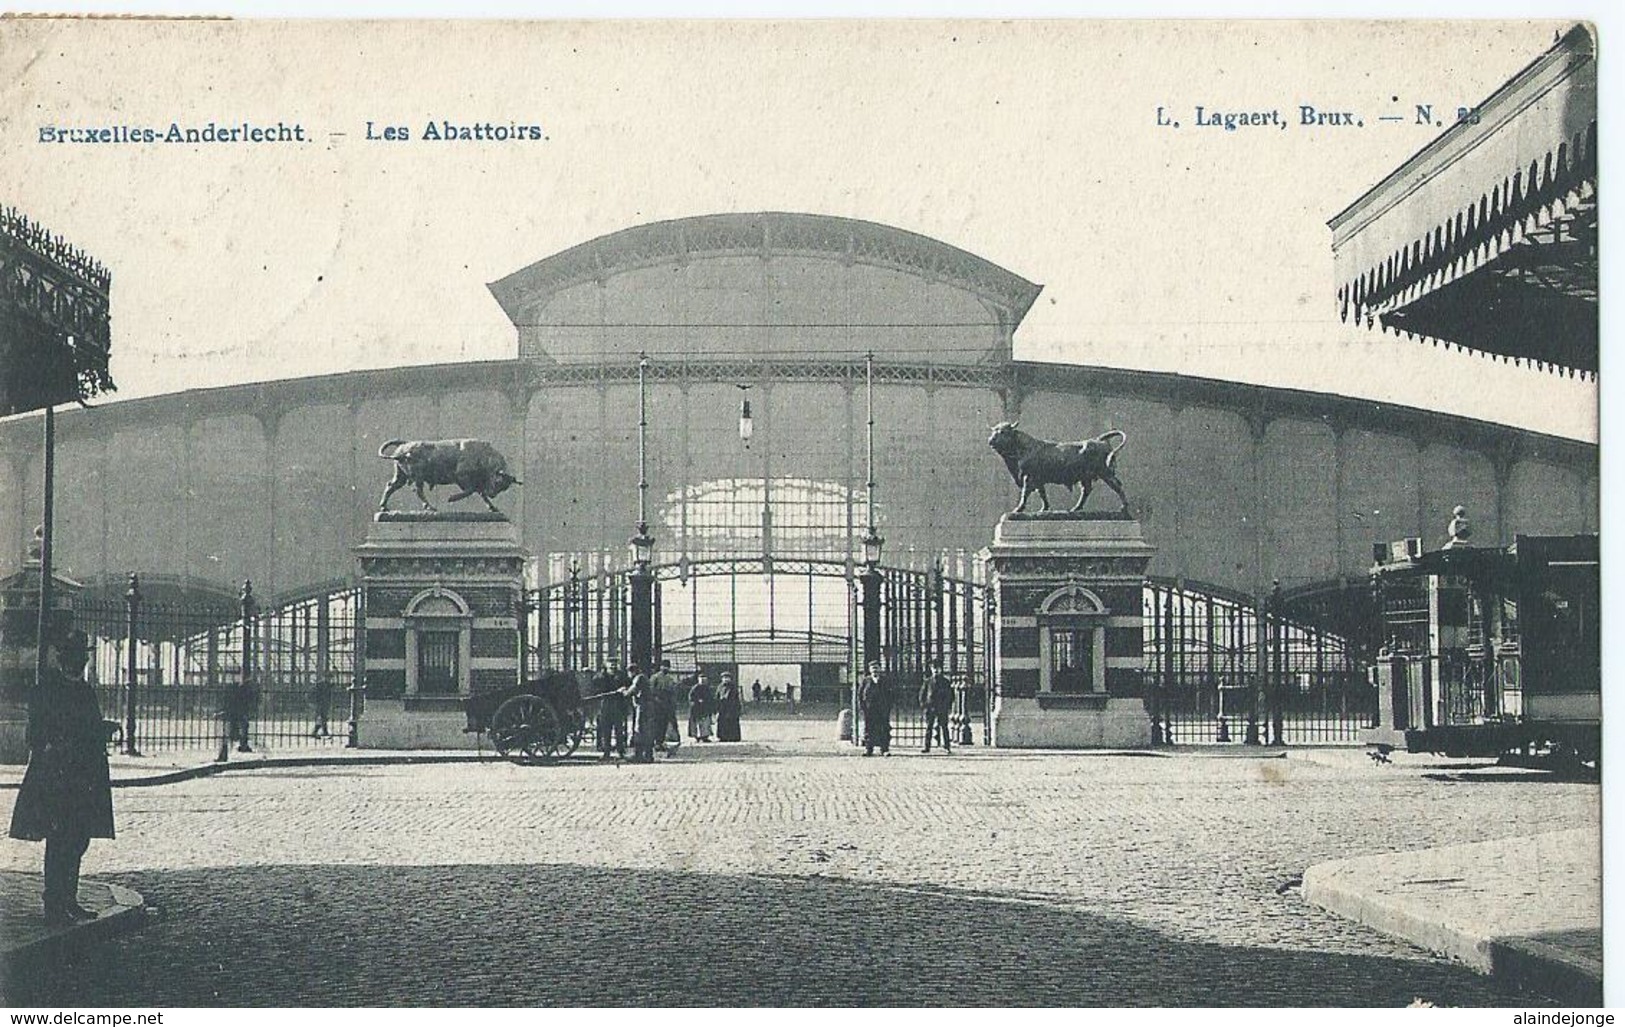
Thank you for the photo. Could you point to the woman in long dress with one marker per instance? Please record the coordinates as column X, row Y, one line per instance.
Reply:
column 729, row 699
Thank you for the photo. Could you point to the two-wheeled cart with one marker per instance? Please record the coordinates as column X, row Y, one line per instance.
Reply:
column 539, row 721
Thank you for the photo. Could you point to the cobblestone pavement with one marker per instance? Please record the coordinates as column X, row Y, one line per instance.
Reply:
column 756, row 875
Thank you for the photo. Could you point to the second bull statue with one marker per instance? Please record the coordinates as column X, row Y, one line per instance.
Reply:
column 473, row 465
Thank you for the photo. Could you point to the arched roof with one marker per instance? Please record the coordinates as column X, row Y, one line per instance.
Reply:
column 849, row 240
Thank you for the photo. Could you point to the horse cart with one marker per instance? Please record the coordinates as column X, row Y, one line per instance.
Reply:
column 541, row 720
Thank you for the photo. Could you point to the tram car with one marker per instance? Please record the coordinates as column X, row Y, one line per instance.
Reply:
column 1490, row 651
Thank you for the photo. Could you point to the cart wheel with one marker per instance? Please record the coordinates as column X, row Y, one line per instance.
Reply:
column 517, row 723
column 543, row 736
column 574, row 728
column 573, row 740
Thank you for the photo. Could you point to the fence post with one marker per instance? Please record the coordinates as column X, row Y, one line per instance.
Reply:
column 235, row 711
column 1278, row 661
column 521, row 616
column 251, row 629
column 1261, row 678
column 132, row 606
column 358, row 680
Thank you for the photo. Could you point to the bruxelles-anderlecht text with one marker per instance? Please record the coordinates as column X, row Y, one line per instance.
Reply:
column 175, row 132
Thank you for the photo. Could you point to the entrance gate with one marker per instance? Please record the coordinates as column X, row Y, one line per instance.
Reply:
column 1220, row 666
column 927, row 615
column 1225, row 667
column 720, row 614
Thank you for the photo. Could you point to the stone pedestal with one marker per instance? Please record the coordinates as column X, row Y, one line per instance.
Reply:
column 441, row 594
column 1068, row 657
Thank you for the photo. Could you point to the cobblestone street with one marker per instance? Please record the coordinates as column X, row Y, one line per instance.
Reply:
column 794, row 874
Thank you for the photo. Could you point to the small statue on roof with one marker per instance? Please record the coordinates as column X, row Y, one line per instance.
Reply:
column 1460, row 529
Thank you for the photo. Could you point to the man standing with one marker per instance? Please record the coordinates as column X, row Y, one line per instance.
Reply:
column 875, row 700
column 646, row 718
column 611, row 713
column 66, row 798
column 240, row 702
column 321, row 699
column 936, row 702
column 700, row 713
column 665, row 688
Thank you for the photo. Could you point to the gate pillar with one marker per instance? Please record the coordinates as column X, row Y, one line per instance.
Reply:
column 1068, row 661
column 440, row 597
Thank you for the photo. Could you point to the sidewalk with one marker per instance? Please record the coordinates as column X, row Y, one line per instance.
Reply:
column 25, row 936
column 184, row 765
column 1525, row 910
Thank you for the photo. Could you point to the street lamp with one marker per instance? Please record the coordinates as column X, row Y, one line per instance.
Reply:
column 641, row 546
column 1278, row 660
column 747, row 428
column 873, row 544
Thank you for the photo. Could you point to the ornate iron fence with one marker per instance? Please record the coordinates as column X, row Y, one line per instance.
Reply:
column 1222, row 667
column 204, row 675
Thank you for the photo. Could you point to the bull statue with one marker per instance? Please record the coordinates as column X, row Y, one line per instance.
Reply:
column 1035, row 463
column 473, row 465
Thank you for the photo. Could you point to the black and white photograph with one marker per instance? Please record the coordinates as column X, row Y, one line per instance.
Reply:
column 843, row 513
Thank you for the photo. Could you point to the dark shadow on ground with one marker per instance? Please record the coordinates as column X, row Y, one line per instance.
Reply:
column 1503, row 776
column 555, row 935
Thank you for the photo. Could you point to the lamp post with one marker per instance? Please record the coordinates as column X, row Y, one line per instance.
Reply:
column 871, row 578
column 1278, row 663
column 642, row 544
column 132, row 606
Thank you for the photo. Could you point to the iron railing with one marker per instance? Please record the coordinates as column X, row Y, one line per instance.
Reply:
column 202, row 675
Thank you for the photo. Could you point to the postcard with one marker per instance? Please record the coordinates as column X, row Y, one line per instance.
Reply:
column 830, row 513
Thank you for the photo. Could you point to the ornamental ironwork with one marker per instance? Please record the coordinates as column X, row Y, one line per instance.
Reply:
column 54, row 307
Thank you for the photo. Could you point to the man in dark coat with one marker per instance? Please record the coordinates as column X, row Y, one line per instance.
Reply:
column 701, row 713
column 66, row 798
column 875, row 700
column 665, row 686
column 612, row 709
column 936, row 702
column 647, row 718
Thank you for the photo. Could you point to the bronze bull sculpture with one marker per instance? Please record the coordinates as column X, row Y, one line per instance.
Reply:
column 1035, row 463
column 473, row 465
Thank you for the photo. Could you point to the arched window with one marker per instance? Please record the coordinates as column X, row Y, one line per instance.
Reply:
column 1072, row 642
column 773, row 516
column 439, row 643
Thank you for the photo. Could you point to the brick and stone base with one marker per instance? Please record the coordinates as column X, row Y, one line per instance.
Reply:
column 1068, row 660
column 441, row 595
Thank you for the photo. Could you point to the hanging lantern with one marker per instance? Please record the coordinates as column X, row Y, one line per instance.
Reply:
column 746, row 428
column 872, row 546
column 641, row 548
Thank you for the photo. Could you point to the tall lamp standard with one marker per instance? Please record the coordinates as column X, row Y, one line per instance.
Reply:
column 642, row 544
column 871, row 578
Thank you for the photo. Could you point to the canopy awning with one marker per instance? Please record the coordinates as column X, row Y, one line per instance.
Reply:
column 1487, row 238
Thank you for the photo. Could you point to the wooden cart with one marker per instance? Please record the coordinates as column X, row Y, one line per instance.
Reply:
column 539, row 721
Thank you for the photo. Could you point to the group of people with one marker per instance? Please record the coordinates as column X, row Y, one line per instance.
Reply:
column 640, row 706
column 714, row 709
column 876, row 701
column 771, row 694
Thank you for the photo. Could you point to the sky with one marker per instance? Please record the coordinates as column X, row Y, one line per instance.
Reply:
column 1032, row 144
